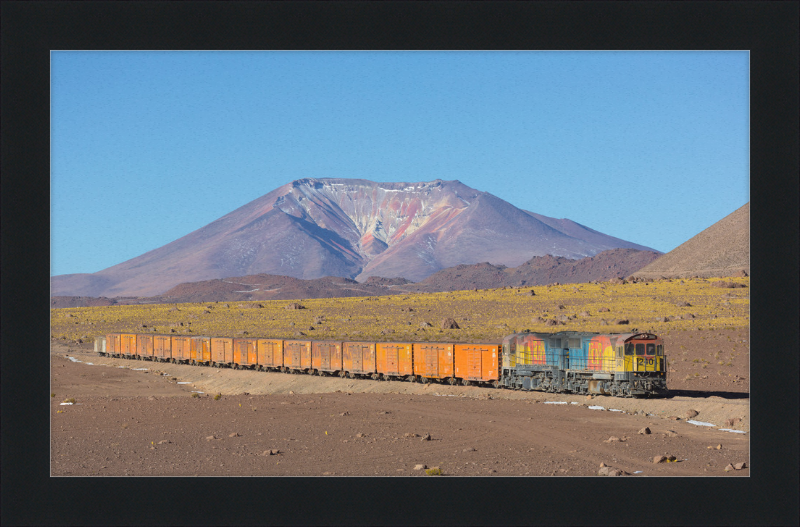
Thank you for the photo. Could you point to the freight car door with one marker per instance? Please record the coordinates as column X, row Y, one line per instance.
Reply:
column 474, row 363
column 325, row 356
column 431, row 361
column 392, row 359
column 296, row 355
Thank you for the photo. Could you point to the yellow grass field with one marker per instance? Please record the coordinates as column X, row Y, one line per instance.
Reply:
column 483, row 316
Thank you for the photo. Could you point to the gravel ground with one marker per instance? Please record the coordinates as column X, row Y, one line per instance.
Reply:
column 144, row 423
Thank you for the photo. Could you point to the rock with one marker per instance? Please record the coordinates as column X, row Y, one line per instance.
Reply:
column 671, row 433
column 603, row 310
column 732, row 421
column 741, row 274
column 730, row 285
column 603, row 471
column 561, row 306
column 426, row 325
column 291, row 392
column 295, row 305
column 551, row 323
column 690, row 414
column 234, row 434
column 718, row 447
column 617, row 472
column 151, row 398
column 164, row 442
column 613, row 439
column 209, row 438
column 585, row 314
column 426, row 437
column 622, row 321
column 729, row 468
column 684, row 304
column 674, row 417
column 603, row 465
column 740, row 466
column 603, row 322
column 660, row 459
column 360, row 435
column 409, row 434
column 644, row 431
column 344, row 413
column 420, row 467
column 449, row 323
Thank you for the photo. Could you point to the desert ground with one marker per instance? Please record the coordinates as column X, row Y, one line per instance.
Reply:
column 138, row 418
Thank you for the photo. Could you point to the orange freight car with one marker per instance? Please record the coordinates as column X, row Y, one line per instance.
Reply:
column 200, row 350
column 113, row 345
column 297, row 355
column 326, row 357
column 358, row 358
column 394, row 360
column 144, row 347
column 245, row 354
column 478, row 363
column 181, row 349
column 221, row 351
column 162, row 348
column 270, row 354
column 127, row 345
column 433, row 360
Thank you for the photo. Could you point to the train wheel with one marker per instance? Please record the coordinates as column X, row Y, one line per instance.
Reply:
column 496, row 384
column 352, row 375
column 452, row 381
column 465, row 382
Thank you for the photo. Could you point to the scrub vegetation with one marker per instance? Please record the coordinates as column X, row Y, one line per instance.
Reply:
column 660, row 306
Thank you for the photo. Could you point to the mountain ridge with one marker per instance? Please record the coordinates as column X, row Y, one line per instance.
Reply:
column 354, row 228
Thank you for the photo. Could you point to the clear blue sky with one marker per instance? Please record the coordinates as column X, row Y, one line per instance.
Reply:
column 650, row 147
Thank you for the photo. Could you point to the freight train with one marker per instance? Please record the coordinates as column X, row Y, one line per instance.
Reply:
column 623, row 365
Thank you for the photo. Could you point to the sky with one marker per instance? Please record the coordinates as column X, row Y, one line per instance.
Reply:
column 651, row 147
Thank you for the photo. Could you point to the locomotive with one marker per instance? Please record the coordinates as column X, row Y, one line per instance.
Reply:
column 622, row 365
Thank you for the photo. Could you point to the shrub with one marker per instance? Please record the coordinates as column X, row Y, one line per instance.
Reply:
column 218, row 397
column 435, row 471
column 52, row 395
column 195, row 395
column 70, row 400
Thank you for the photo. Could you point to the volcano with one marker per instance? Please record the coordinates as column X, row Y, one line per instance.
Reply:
column 351, row 228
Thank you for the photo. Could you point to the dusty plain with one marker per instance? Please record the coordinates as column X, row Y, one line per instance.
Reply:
column 139, row 418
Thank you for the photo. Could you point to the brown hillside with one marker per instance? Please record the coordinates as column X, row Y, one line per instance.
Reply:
column 539, row 270
column 721, row 250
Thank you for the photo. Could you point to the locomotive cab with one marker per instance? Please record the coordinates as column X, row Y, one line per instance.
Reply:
column 644, row 363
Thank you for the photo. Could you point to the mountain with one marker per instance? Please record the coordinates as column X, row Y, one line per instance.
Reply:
column 350, row 228
column 539, row 270
column 721, row 250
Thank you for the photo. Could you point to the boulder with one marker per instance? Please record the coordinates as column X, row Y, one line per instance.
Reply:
column 449, row 323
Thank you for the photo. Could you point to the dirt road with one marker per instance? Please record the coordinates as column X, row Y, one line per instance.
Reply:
column 127, row 421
